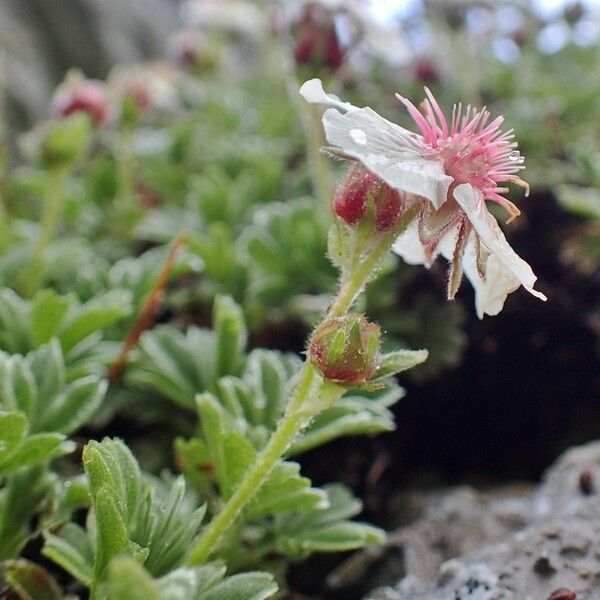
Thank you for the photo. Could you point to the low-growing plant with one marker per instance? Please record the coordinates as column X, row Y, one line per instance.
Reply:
column 149, row 450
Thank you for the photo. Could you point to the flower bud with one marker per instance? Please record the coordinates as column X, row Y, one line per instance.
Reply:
column 346, row 349
column 317, row 41
column 350, row 200
column 425, row 71
column 388, row 206
column 189, row 49
column 364, row 196
column 78, row 94
column 144, row 89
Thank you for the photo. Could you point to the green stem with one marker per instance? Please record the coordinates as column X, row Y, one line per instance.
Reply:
column 51, row 214
column 294, row 420
column 355, row 282
column 306, row 402
column 126, row 196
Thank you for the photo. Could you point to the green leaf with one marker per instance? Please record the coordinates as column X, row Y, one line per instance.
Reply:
column 110, row 465
column 18, row 449
column 286, row 249
column 30, row 581
column 231, row 335
column 26, row 325
column 128, row 580
column 181, row 365
column 96, row 314
column 333, row 537
column 13, row 427
column 36, row 449
column 175, row 364
column 231, row 454
column 326, row 529
column 352, row 415
column 244, row 586
column 25, row 494
column 111, row 530
column 398, row 361
column 135, row 515
column 36, row 384
column 285, row 491
column 48, row 310
column 580, row 200
column 71, row 549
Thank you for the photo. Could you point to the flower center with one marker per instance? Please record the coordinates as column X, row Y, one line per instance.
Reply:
column 468, row 167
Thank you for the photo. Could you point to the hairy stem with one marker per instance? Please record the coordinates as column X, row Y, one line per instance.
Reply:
column 356, row 280
column 294, row 420
column 305, row 403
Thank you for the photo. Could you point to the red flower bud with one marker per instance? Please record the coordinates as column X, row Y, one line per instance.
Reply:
column 426, row 71
column 388, row 206
column 360, row 186
column 346, row 349
column 317, row 41
column 82, row 95
column 350, row 200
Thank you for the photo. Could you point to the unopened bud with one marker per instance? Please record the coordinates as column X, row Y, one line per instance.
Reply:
column 425, row 70
column 78, row 94
column 189, row 49
column 144, row 89
column 388, row 206
column 317, row 41
column 346, row 349
column 364, row 196
column 350, row 201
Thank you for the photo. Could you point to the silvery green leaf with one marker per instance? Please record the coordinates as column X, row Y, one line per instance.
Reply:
column 398, row 361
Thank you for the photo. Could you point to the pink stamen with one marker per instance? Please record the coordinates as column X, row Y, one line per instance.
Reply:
column 473, row 149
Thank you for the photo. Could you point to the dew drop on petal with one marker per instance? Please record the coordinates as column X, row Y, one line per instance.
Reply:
column 359, row 136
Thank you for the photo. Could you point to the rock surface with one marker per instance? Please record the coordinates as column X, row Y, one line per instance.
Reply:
column 506, row 546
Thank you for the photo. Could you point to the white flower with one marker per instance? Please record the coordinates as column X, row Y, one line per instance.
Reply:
column 455, row 167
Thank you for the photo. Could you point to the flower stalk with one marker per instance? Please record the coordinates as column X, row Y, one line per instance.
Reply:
column 294, row 420
column 313, row 394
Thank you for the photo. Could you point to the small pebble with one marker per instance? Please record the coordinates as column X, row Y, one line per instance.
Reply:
column 586, row 482
column 543, row 566
column 562, row 594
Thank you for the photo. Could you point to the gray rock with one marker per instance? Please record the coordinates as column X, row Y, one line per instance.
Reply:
column 507, row 548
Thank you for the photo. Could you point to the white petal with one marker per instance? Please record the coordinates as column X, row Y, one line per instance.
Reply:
column 491, row 291
column 312, row 91
column 409, row 247
column 505, row 270
column 393, row 153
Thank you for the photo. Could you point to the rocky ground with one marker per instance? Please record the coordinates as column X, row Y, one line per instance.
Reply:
column 512, row 544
